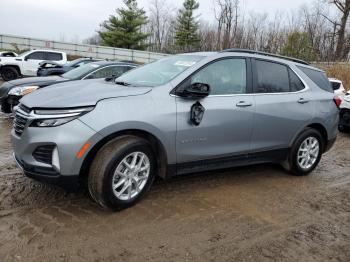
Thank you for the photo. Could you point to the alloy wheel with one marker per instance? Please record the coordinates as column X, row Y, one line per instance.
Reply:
column 131, row 176
column 308, row 152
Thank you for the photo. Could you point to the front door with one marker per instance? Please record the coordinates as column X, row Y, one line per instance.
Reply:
column 224, row 126
column 31, row 63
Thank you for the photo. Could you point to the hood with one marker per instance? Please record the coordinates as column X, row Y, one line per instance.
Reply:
column 79, row 93
column 40, row 81
column 9, row 59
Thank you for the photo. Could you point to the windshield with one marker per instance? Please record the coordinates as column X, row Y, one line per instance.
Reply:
column 73, row 62
column 159, row 72
column 25, row 53
column 80, row 72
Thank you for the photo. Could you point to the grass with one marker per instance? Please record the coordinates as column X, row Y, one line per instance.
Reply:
column 339, row 71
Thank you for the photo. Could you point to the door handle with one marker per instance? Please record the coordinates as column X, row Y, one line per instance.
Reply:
column 243, row 104
column 302, row 100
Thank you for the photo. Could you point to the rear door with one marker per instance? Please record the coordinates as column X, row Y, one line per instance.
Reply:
column 225, row 128
column 54, row 56
column 282, row 105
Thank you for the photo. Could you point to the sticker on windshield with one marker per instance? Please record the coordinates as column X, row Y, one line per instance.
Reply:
column 185, row 63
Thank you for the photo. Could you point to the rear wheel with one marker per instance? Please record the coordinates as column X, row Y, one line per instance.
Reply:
column 342, row 128
column 122, row 172
column 305, row 153
column 9, row 73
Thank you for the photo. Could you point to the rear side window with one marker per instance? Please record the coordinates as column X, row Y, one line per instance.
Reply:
column 318, row 77
column 54, row 56
column 295, row 82
column 335, row 85
column 271, row 77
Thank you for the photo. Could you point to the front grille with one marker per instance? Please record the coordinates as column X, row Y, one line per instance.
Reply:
column 44, row 154
column 19, row 123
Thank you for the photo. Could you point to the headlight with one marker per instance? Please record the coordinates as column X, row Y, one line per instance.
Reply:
column 57, row 117
column 22, row 90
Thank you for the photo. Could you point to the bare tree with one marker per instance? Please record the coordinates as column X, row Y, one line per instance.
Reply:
column 226, row 14
column 343, row 7
column 160, row 20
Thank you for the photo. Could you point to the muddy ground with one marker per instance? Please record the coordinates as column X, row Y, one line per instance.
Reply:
column 257, row 213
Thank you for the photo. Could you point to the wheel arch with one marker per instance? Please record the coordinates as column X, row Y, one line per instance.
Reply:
column 14, row 66
column 323, row 131
column 320, row 128
column 157, row 146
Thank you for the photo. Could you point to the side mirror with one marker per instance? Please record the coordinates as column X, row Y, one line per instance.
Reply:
column 26, row 58
column 196, row 90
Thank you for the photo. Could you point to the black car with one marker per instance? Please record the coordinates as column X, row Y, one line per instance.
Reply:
column 12, row 91
column 50, row 68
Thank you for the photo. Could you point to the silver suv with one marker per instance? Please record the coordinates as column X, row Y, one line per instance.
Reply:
column 181, row 114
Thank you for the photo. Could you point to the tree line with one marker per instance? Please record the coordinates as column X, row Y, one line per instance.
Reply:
column 317, row 31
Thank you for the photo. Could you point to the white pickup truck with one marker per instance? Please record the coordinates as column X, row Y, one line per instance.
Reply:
column 26, row 64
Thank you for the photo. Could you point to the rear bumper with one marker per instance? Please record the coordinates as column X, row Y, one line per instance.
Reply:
column 48, row 175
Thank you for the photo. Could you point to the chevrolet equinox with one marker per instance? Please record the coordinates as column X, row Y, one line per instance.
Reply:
column 181, row 114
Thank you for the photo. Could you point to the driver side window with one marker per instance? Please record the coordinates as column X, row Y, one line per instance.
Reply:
column 225, row 77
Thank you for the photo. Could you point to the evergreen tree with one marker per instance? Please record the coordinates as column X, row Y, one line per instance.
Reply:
column 124, row 30
column 186, row 35
column 299, row 46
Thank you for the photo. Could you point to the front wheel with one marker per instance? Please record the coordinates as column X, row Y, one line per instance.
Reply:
column 122, row 172
column 9, row 73
column 305, row 153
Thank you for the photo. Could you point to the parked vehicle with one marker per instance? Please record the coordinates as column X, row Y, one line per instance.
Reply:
column 344, row 113
column 337, row 86
column 27, row 64
column 49, row 68
column 11, row 92
column 181, row 114
column 8, row 54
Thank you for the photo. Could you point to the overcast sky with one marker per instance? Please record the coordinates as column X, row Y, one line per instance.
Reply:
column 79, row 19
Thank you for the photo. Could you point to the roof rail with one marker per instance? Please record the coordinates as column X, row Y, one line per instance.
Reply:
column 238, row 50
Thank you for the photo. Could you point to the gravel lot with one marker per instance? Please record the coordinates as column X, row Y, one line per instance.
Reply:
column 257, row 213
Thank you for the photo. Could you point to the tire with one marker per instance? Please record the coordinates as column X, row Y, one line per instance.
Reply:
column 342, row 128
column 294, row 163
column 9, row 73
column 108, row 160
column 6, row 107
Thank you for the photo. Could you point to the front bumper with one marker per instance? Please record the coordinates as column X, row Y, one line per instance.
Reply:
column 68, row 138
column 13, row 100
column 48, row 175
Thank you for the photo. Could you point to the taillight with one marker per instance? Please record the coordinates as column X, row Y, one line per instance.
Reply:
column 337, row 101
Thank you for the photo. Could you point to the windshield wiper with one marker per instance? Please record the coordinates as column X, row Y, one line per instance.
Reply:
column 122, row 83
